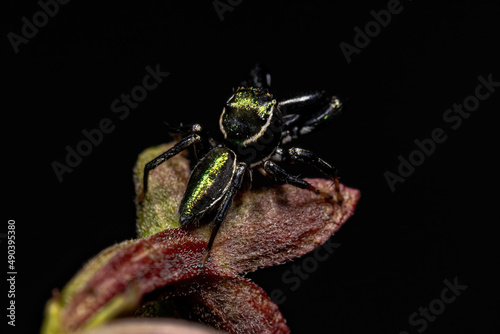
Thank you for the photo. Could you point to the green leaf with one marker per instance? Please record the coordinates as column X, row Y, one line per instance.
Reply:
column 166, row 187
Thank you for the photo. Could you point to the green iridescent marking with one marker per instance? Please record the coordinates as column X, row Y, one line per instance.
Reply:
column 206, row 181
column 246, row 100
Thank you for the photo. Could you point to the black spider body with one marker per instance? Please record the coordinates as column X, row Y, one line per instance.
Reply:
column 251, row 124
column 255, row 127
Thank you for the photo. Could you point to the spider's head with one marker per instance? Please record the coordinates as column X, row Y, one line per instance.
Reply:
column 247, row 113
column 251, row 119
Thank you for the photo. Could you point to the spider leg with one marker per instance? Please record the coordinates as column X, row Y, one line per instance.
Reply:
column 291, row 104
column 181, row 130
column 295, row 154
column 224, row 208
column 176, row 149
column 282, row 175
column 307, row 112
column 318, row 119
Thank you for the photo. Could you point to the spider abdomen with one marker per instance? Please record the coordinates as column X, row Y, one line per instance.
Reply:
column 208, row 183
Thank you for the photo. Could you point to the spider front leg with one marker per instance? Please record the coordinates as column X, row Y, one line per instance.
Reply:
column 295, row 154
column 176, row 149
column 307, row 112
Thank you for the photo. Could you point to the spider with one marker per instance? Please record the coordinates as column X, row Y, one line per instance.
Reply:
column 255, row 129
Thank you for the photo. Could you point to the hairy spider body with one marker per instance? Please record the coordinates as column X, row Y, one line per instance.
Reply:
column 255, row 128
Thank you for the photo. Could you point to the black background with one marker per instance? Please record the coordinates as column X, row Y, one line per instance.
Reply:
column 399, row 246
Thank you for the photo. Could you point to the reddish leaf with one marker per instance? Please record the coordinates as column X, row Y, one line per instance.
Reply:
column 270, row 226
column 264, row 227
column 240, row 306
column 231, row 303
column 149, row 263
column 154, row 326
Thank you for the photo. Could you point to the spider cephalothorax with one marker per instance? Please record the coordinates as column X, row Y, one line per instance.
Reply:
column 255, row 128
column 251, row 124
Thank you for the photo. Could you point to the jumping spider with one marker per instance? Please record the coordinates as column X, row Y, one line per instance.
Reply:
column 254, row 127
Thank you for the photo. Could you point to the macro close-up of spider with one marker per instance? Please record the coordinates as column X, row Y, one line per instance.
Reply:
column 179, row 167
column 257, row 131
